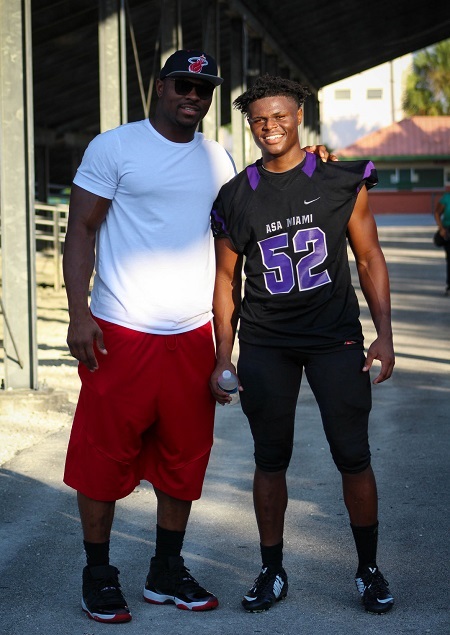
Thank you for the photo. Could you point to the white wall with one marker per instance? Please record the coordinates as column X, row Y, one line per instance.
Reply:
column 345, row 120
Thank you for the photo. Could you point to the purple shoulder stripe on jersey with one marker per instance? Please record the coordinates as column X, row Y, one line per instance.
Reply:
column 253, row 175
column 367, row 172
column 217, row 223
column 310, row 164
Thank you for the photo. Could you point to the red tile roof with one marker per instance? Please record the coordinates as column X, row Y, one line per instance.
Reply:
column 414, row 137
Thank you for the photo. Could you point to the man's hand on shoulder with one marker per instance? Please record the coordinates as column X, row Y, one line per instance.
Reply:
column 322, row 152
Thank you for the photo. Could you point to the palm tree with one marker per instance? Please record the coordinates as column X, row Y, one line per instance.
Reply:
column 428, row 86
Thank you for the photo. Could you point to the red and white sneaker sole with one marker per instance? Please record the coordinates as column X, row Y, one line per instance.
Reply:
column 121, row 616
column 159, row 598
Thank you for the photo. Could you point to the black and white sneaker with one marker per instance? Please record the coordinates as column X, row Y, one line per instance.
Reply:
column 374, row 591
column 102, row 598
column 269, row 587
column 173, row 584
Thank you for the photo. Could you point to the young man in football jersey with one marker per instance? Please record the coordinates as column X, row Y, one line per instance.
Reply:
column 290, row 216
column 140, row 210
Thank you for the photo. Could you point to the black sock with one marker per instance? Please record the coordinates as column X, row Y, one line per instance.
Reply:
column 168, row 543
column 97, row 553
column 366, row 540
column 272, row 556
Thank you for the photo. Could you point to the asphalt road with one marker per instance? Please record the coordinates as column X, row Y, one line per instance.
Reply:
column 41, row 554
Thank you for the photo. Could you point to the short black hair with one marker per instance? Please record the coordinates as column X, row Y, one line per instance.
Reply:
column 271, row 86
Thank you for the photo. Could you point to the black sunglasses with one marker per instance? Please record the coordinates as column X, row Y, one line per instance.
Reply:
column 184, row 87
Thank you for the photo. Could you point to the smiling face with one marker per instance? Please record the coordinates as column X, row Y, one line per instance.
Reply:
column 274, row 124
column 177, row 116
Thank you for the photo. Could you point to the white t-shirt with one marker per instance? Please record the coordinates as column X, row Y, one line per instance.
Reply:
column 154, row 268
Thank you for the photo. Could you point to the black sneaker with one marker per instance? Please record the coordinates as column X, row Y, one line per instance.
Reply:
column 374, row 591
column 102, row 598
column 269, row 587
column 173, row 584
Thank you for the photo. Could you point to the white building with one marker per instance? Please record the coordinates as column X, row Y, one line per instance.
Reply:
column 363, row 103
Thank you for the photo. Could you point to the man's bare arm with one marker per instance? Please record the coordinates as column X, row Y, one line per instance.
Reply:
column 86, row 213
column 374, row 280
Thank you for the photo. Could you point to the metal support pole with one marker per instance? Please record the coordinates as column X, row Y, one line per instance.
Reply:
column 17, row 194
column 310, row 131
column 171, row 31
column 237, row 87
column 112, row 54
column 210, row 12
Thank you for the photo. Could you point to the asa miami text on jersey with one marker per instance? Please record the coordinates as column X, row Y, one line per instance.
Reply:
column 291, row 228
column 154, row 253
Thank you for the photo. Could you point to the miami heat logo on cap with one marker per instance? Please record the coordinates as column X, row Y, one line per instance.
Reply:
column 197, row 63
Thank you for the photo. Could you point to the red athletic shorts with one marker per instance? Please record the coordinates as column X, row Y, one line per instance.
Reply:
column 147, row 413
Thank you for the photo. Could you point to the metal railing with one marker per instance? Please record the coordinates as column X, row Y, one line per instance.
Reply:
column 50, row 227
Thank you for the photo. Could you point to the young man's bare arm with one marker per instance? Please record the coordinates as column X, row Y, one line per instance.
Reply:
column 86, row 213
column 374, row 280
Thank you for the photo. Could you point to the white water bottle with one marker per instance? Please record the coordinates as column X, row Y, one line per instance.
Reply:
column 228, row 382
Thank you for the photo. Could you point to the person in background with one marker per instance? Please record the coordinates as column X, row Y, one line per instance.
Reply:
column 140, row 212
column 290, row 216
column 442, row 216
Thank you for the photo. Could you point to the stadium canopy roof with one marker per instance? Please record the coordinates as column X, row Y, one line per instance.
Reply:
column 319, row 42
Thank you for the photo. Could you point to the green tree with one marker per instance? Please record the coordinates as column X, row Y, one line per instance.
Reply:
column 428, row 86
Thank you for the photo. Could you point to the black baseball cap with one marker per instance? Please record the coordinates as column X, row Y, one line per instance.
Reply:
column 191, row 64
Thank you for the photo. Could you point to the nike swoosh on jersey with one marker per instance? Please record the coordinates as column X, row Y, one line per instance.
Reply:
column 313, row 201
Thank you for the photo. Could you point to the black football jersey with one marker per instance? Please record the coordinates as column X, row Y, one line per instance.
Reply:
column 291, row 228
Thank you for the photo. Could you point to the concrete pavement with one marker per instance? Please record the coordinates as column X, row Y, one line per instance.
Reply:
column 41, row 554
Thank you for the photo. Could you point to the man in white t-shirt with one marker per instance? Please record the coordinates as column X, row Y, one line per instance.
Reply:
column 140, row 214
